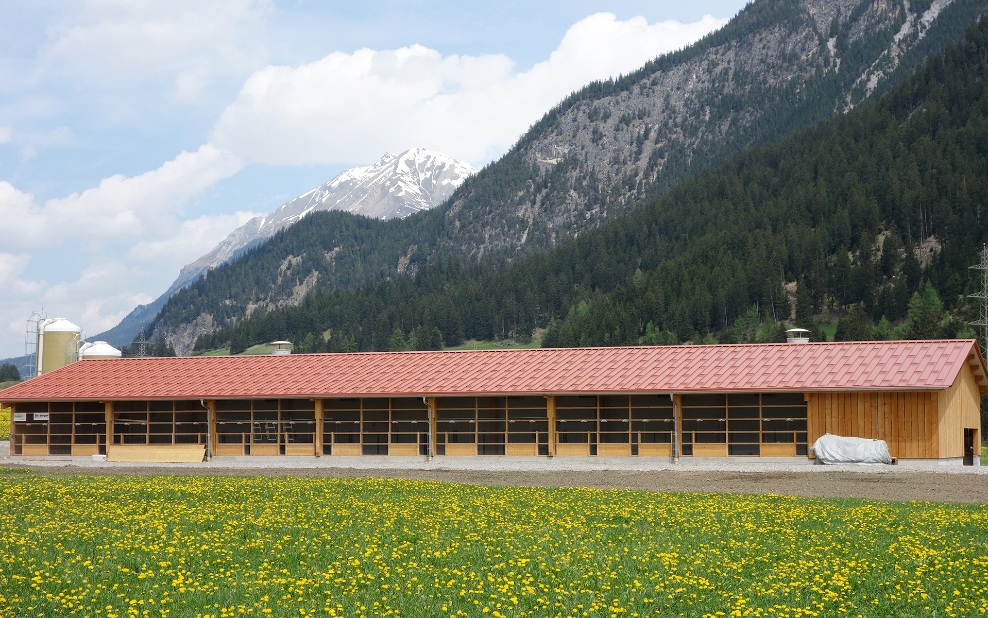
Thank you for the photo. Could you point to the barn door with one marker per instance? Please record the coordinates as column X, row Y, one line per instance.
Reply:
column 969, row 437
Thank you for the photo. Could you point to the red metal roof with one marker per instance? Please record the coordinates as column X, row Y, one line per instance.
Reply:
column 884, row 365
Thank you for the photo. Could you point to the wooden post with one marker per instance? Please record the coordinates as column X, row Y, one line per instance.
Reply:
column 108, row 418
column 431, row 404
column 319, row 427
column 211, row 438
column 677, row 423
column 550, row 412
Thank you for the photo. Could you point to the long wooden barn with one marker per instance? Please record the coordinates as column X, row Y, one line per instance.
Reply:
column 772, row 400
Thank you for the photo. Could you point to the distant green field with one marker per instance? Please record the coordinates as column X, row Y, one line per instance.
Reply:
column 494, row 345
column 301, row 546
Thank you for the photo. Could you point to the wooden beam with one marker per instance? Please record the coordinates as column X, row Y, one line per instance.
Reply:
column 677, row 411
column 431, row 404
column 550, row 411
column 211, row 426
column 318, row 438
column 108, row 417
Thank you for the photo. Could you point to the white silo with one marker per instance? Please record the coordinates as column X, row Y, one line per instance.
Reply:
column 97, row 350
column 58, row 344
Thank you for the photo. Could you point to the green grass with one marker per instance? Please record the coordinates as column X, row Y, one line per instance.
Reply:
column 261, row 348
column 217, row 352
column 830, row 330
column 13, row 470
column 301, row 546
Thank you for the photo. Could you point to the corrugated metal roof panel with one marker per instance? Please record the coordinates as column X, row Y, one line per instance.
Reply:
column 796, row 367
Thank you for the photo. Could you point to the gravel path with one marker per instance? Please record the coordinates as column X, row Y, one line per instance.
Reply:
column 933, row 482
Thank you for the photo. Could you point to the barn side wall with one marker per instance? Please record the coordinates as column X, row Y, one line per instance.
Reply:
column 960, row 408
column 908, row 421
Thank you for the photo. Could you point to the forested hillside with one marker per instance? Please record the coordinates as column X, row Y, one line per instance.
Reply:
column 778, row 66
column 874, row 214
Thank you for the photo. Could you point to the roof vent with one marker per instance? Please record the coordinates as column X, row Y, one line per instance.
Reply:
column 797, row 335
column 281, row 348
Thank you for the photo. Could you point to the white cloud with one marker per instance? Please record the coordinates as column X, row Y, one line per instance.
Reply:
column 120, row 209
column 348, row 108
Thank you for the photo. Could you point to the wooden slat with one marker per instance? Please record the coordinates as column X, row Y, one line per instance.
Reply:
column 264, row 450
column 403, row 450
column 300, row 450
column 164, row 453
column 85, row 450
column 457, row 449
column 655, row 450
column 613, row 450
column 228, row 450
column 521, row 450
column 710, row 450
column 573, row 450
column 346, row 450
column 778, row 450
column 34, row 450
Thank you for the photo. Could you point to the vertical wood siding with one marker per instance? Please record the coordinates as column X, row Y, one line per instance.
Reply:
column 908, row 421
column 960, row 408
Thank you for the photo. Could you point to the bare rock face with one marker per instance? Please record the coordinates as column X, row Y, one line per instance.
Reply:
column 779, row 66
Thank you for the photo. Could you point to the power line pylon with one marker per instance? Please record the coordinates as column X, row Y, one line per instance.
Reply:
column 982, row 296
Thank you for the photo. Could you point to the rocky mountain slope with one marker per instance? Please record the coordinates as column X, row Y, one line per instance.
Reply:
column 779, row 66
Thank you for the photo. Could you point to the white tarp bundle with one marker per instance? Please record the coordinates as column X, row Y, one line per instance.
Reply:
column 830, row 449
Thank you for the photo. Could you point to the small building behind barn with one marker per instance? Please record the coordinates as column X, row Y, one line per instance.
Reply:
column 768, row 400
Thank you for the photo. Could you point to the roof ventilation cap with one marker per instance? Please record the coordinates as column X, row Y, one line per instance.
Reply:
column 281, row 348
column 797, row 335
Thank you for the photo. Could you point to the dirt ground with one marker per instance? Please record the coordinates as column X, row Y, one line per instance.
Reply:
column 890, row 486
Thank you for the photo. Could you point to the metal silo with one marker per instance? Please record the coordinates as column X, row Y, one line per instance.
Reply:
column 58, row 344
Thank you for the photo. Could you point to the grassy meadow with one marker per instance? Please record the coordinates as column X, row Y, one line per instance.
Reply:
column 268, row 546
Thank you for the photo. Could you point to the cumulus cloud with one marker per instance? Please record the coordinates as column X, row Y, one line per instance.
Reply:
column 347, row 108
column 119, row 208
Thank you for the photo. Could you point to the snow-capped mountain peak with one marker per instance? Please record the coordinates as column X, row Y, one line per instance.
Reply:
column 396, row 186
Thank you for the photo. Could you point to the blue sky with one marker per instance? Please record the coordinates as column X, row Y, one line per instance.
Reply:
column 134, row 136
